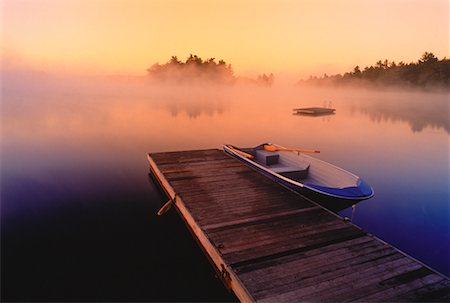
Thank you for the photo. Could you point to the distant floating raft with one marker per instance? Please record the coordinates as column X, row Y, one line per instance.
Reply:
column 314, row 111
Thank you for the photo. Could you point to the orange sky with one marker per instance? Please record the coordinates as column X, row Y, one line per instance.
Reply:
column 300, row 37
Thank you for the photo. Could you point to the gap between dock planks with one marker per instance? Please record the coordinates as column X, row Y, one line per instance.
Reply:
column 272, row 245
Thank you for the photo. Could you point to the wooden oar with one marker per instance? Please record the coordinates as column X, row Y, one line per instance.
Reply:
column 240, row 152
column 274, row 148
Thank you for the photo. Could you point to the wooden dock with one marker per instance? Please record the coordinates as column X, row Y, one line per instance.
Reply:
column 269, row 244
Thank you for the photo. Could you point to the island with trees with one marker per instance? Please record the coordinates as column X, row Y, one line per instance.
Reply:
column 194, row 69
column 428, row 72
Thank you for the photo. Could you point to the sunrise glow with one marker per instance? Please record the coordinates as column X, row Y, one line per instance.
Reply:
column 296, row 37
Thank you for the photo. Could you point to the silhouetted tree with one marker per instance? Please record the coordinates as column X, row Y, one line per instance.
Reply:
column 174, row 60
column 428, row 58
column 265, row 80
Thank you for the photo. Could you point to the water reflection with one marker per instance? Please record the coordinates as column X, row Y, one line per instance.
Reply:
column 324, row 117
column 336, row 205
column 418, row 110
column 194, row 107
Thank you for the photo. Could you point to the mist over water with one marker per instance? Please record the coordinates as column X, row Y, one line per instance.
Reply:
column 78, row 210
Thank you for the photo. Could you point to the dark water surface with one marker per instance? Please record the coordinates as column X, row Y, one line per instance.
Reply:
column 78, row 209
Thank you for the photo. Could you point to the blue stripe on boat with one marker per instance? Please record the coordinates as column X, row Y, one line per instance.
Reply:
column 361, row 190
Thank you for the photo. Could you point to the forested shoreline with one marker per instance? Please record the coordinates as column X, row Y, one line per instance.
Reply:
column 427, row 72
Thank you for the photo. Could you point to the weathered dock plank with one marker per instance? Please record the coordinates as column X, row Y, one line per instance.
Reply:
column 271, row 245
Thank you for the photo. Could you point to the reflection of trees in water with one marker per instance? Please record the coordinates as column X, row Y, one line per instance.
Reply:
column 419, row 114
column 417, row 122
column 195, row 104
column 195, row 110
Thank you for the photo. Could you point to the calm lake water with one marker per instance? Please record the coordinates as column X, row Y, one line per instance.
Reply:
column 78, row 208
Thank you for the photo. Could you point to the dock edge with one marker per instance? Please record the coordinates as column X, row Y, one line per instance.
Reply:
column 228, row 276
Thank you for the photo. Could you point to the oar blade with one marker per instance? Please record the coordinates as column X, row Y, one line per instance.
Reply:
column 270, row 148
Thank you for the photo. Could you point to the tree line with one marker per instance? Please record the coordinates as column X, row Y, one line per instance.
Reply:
column 427, row 72
column 193, row 69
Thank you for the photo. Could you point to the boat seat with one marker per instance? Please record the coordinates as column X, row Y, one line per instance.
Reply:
column 271, row 160
column 267, row 157
column 293, row 172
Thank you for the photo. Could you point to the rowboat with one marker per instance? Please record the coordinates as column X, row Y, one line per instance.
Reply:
column 298, row 171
